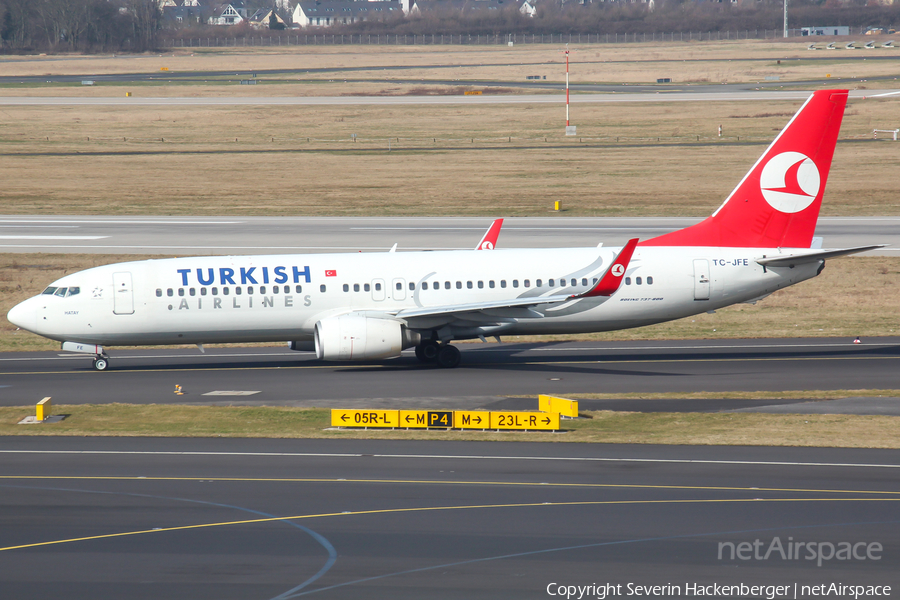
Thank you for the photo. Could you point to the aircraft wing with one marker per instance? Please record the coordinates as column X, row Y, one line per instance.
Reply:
column 791, row 260
column 606, row 286
column 489, row 241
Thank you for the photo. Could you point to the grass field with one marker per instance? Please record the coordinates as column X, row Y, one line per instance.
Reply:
column 852, row 297
column 745, row 429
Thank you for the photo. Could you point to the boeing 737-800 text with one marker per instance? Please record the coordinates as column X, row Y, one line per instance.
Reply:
column 374, row 305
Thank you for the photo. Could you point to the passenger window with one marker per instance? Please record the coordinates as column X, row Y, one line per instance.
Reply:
column 322, row 288
column 527, row 283
column 399, row 286
column 49, row 291
column 595, row 281
column 298, row 289
column 550, row 283
column 262, row 289
column 224, row 291
column 202, row 291
column 537, row 283
column 181, row 291
column 412, row 286
column 515, row 283
column 346, row 287
column 480, row 285
column 250, row 289
column 366, row 287
column 459, row 285
column 446, row 285
column 503, row 283
column 424, row 285
column 158, row 293
column 491, row 284
column 584, row 281
column 237, row 291
column 637, row 280
column 628, row 281
column 574, row 281
column 170, row 293
column 215, row 291
column 274, row 289
column 377, row 287
column 649, row 281
column 355, row 287
column 73, row 291
column 469, row 284
column 192, row 291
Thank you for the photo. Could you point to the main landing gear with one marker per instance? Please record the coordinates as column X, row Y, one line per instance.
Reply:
column 444, row 355
column 101, row 362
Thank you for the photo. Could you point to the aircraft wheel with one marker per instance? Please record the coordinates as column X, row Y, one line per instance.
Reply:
column 428, row 351
column 100, row 363
column 448, row 357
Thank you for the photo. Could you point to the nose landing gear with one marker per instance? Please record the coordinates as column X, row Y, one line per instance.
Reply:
column 101, row 362
column 444, row 355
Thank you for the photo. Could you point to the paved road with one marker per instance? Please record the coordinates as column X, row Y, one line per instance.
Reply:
column 667, row 96
column 267, row 519
column 489, row 373
column 280, row 235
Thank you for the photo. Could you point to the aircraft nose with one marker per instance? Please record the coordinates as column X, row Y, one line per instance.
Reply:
column 23, row 315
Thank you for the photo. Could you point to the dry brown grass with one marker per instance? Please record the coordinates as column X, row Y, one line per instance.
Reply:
column 847, row 431
column 450, row 160
column 853, row 296
column 683, row 62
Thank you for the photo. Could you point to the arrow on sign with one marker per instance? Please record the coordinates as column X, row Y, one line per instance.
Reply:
column 546, row 420
column 477, row 420
column 408, row 418
column 344, row 417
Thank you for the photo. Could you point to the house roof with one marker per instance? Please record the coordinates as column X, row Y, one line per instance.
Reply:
column 329, row 8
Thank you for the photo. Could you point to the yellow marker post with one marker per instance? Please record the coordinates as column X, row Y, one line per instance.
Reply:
column 552, row 404
column 128, row 94
column 556, row 206
column 42, row 409
column 471, row 419
column 365, row 418
column 524, row 420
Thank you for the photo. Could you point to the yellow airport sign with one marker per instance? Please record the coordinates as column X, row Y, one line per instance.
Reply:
column 426, row 418
column 524, row 420
column 566, row 408
column 364, row 418
column 471, row 419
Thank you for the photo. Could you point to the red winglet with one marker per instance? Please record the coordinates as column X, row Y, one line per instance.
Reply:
column 612, row 279
column 489, row 241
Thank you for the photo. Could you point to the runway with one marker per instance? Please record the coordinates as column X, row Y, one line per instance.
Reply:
column 277, row 519
column 502, row 376
column 287, row 235
column 667, row 96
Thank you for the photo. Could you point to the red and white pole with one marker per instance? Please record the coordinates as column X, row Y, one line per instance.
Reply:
column 567, row 85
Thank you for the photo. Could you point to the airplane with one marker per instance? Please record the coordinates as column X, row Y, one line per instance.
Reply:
column 370, row 306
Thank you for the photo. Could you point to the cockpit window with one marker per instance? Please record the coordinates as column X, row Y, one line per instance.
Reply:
column 49, row 291
column 61, row 292
column 73, row 291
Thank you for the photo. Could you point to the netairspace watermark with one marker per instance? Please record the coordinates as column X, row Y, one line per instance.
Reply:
column 795, row 591
column 791, row 550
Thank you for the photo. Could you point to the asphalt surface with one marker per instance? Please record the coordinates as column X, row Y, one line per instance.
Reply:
column 267, row 519
column 489, row 375
column 282, row 235
column 623, row 96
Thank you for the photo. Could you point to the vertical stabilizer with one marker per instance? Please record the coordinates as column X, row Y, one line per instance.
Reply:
column 776, row 204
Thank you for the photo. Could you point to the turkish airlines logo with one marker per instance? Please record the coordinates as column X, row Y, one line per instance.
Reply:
column 487, row 246
column 790, row 182
column 618, row 270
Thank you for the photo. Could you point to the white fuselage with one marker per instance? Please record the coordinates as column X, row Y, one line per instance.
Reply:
column 282, row 297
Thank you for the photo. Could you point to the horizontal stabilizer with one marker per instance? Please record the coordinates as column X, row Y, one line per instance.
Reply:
column 791, row 260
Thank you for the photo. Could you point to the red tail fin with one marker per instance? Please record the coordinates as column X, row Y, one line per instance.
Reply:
column 777, row 203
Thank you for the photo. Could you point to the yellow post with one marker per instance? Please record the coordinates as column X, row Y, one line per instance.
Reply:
column 128, row 94
column 556, row 205
column 42, row 410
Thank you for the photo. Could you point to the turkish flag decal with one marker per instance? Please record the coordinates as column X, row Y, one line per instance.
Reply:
column 330, row 273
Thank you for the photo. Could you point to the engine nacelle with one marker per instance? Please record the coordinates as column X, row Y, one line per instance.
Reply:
column 357, row 337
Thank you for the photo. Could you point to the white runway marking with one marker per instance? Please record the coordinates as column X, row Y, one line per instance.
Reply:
column 455, row 457
column 119, row 222
column 53, row 237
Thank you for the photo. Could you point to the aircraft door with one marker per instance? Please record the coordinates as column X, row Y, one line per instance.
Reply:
column 398, row 289
column 378, row 291
column 701, row 279
column 123, row 295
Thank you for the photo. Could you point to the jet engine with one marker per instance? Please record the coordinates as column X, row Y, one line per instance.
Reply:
column 357, row 337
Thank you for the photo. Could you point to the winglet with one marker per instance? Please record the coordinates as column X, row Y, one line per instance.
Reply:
column 489, row 241
column 612, row 279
